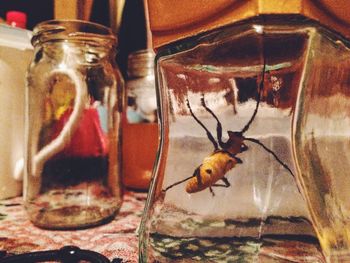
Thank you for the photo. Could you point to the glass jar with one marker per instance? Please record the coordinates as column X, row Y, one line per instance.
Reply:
column 73, row 114
column 224, row 188
column 140, row 128
column 321, row 141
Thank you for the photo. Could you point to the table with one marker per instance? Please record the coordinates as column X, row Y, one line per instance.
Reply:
column 119, row 237
column 115, row 239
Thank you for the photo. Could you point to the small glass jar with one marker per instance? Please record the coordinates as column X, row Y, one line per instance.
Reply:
column 73, row 113
column 140, row 128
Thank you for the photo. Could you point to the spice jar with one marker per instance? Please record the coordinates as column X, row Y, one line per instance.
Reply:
column 140, row 128
column 73, row 113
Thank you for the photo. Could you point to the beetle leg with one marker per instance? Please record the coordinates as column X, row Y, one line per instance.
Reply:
column 196, row 173
column 211, row 191
column 226, row 183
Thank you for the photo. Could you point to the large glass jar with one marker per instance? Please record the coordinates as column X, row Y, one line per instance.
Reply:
column 73, row 113
column 224, row 187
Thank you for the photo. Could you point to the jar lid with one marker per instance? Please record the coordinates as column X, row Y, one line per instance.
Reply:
column 174, row 20
column 141, row 63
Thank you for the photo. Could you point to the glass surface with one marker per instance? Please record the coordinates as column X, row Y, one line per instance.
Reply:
column 73, row 117
column 321, row 141
column 225, row 176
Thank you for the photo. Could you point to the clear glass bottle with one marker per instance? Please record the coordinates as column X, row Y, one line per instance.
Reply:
column 73, row 119
column 140, row 127
column 224, row 187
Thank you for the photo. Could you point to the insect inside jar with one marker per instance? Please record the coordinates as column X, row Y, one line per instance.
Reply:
column 214, row 167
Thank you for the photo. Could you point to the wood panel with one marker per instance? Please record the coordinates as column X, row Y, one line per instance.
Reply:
column 72, row 9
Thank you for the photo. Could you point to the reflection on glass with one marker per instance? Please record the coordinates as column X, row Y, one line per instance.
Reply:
column 321, row 134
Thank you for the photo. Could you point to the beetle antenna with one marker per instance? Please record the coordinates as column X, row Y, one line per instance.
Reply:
column 218, row 126
column 258, row 99
column 271, row 152
column 209, row 135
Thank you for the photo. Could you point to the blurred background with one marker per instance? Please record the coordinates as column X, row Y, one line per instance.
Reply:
column 125, row 17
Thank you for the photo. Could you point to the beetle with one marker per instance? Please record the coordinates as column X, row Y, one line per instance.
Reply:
column 224, row 157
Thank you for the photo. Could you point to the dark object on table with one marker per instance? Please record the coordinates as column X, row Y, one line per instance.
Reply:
column 67, row 254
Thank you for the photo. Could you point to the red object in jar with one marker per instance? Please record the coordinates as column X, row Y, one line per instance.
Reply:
column 88, row 140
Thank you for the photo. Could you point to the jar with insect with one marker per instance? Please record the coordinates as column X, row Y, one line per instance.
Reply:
column 73, row 115
column 224, row 187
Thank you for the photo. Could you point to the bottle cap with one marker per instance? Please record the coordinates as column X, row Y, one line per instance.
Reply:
column 174, row 20
column 16, row 19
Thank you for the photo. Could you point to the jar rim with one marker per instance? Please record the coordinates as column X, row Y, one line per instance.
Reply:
column 73, row 29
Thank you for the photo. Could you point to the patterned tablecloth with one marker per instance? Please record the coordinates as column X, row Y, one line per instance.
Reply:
column 115, row 239
column 118, row 238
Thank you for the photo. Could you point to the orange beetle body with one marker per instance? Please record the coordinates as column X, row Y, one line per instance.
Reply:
column 213, row 168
